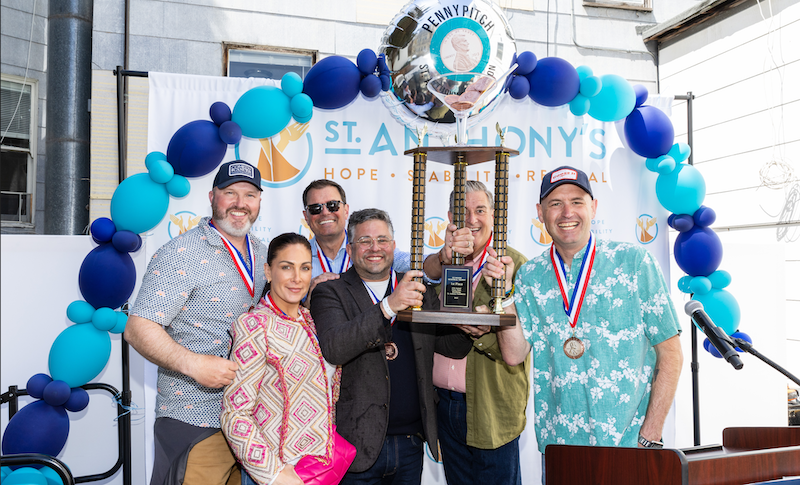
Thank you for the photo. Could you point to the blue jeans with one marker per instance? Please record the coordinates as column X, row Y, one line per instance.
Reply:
column 464, row 464
column 399, row 463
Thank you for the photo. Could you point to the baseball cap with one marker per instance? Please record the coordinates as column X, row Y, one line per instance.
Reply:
column 237, row 171
column 564, row 175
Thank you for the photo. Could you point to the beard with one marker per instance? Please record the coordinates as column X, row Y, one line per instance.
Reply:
column 228, row 227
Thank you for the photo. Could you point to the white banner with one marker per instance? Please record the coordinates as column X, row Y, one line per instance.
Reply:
column 361, row 147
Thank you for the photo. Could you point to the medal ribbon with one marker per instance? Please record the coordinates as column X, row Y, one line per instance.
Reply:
column 327, row 263
column 572, row 307
column 275, row 307
column 484, row 257
column 238, row 260
column 374, row 297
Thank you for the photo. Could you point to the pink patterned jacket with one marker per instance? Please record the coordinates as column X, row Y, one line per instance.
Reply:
column 278, row 408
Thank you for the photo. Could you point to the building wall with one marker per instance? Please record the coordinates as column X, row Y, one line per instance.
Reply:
column 23, row 29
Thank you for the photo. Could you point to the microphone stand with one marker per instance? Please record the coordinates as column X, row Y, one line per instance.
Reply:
column 747, row 347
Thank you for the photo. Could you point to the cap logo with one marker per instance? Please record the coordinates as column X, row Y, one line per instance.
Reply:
column 243, row 169
column 563, row 174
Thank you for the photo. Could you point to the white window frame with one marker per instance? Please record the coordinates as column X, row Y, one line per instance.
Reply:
column 32, row 150
column 227, row 47
column 640, row 5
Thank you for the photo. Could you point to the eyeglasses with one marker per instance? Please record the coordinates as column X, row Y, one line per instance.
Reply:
column 367, row 242
column 316, row 209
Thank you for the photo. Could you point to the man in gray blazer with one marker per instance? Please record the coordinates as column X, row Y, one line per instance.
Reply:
column 386, row 406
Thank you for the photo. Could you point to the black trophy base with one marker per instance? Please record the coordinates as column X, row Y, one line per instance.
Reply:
column 457, row 318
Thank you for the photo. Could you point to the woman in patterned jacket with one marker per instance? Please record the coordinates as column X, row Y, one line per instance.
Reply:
column 280, row 406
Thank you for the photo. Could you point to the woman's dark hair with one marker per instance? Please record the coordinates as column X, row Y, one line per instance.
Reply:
column 280, row 242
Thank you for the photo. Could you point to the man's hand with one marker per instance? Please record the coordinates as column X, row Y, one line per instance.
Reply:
column 475, row 331
column 287, row 476
column 408, row 292
column 330, row 275
column 495, row 268
column 212, row 371
column 461, row 241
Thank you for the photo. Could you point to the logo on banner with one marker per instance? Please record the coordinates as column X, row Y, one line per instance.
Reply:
column 434, row 232
column 460, row 45
column 646, row 228
column 181, row 222
column 539, row 233
column 304, row 230
column 282, row 159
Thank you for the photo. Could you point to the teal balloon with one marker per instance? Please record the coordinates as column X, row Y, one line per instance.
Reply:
column 700, row 285
column 79, row 354
column 139, row 204
column 161, row 171
column 684, row 284
column 262, row 112
column 722, row 308
column 80, row 311
column 25, row 476
column 104, row 319
column 720, row 279
column 591, row 86
column 178, row 186
column 681, row 191
column 51, row 476
column 119, row 326
column 615, row 100
column 579, row 105
column 679, row 152
column 302, row 106
column 584, row 72
column 291, row 84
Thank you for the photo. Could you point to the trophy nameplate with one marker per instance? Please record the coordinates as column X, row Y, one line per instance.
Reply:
column 456, row 288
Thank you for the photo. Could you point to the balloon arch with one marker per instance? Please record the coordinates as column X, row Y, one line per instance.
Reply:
column 107, row 276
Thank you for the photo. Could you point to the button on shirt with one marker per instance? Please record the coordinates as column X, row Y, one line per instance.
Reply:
column 600, row 398
column 194, row 290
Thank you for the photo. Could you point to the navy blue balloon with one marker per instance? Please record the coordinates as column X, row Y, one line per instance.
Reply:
column 37, row 428
column 367, row 61
column 370, row 86
column 78, row 400
column 102, row 230
column 641, row 94
column 36, row 385
column 554, row 82
column 386, row 82
column 230, row 132
column 126, row 241
column 704, row 216
column 698, row 251
column 649, row 132
column 519, row 87
column 220, row 113
column 196, row 149
column 711, row 349
column 526, row 63
column 332, row 83
column 107, row 277
column 56, row 393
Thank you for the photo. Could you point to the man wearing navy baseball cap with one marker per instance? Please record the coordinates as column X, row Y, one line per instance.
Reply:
column 195, row 286
column 601, row 324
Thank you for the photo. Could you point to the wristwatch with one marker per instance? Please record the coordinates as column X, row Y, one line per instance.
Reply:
column 650, row 444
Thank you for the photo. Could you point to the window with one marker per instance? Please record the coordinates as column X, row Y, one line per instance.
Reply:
column 255, row 61
column 643, row 5
column 18, row 146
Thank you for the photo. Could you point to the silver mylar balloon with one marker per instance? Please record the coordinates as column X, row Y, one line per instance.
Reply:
column 428, row 38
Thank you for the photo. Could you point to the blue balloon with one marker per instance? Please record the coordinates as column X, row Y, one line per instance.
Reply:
column 107, row 277
column 641, row 94
column 698, row 251
column 25, row 476
column 230, row 132
column 79, row 354
column 80, row 311
column 519, row 87
column 291, row 84
column 179, row 186
column 220, row 113
column 262, row 112
column 615, row 100
column 56, row 393
column 704, row 216
column 36, row 385
column 554, row 82
column 370, row 86
column 681, row 222
column 682, row 191
column 126, row 241
column 36, row 428
column 122, row 320
column 742, row 336
column 711, row 349
column 102, row 230
column 367, row 61
column 139, row 204
column 722, row 308
column 386, row 82
column 526, row 63
column 303, row 107
column 649, row 132
column 104, row 319
column 78, row 400
column 333, row 82
column 196, row 148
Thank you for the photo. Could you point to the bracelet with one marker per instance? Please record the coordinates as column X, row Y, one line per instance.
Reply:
column 650, row 444
column 507, row 302
column 387, row 308
column 511, row 291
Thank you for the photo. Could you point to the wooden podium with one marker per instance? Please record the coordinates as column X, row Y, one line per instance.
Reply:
column 747, row 455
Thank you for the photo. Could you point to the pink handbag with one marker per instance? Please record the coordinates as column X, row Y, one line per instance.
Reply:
column 314, row 471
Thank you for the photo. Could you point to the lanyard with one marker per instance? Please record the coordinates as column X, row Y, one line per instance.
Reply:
column 238, row 260
column 392, row 286
column 484, row 257
column 327, row 263
column 572, row 307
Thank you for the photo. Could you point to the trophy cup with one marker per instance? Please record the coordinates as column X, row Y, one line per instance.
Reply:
column 463, row 94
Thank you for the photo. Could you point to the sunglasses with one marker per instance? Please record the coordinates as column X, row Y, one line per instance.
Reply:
column 316, row 209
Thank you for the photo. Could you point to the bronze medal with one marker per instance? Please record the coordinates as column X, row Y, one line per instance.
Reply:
column 574, row 348
column 391, row 350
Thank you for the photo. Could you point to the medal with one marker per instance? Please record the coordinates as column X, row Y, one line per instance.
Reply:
column 391, row 350
column 573, row 346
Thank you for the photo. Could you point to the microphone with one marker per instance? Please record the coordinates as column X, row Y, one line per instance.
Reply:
column 718, row 338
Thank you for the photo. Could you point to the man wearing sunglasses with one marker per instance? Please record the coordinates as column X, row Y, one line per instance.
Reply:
column 326, row 211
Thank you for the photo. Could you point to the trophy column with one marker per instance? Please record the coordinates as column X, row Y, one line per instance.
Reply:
column 459, row 199
column 418, row 214
column 500, row 241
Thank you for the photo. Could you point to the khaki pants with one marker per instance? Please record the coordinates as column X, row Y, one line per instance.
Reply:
column 211, row 462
